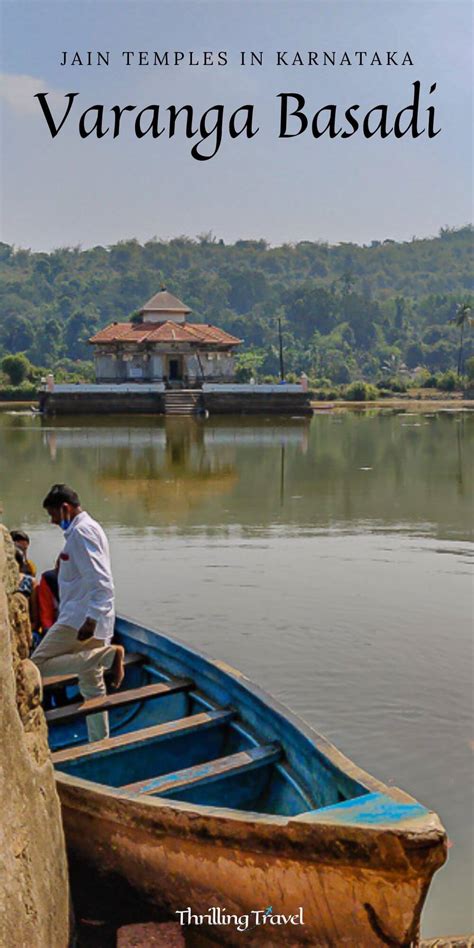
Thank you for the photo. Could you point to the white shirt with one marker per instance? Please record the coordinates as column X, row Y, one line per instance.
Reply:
column 86, row 587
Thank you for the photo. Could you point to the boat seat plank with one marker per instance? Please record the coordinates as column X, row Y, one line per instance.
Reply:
column 54, row 681
column 192, row 724
column 73, row 712
column 210, row 770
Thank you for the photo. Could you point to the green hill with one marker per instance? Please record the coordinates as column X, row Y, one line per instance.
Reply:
column 346, row 310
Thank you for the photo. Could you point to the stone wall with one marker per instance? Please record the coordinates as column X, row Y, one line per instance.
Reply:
column 94, row 403
column 252, row 402
column 256, row 403
column 34, row 894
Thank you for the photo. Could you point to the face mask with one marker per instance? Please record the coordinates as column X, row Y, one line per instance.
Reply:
column 64, row 523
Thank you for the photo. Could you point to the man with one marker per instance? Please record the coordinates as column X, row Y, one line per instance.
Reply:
column 79, row 641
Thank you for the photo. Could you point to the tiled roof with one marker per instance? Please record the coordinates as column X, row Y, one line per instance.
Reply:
column 165, row 332
column 165, row 301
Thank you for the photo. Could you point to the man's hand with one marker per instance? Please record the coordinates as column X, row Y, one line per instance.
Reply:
column 87, row 630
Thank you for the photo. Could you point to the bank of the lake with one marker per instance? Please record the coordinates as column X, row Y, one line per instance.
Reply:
column 434, row 403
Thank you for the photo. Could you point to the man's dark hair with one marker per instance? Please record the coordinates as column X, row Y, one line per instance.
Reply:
column 60, row 494
column 19, row 535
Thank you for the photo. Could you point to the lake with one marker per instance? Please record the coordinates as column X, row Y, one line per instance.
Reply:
column 329, row 559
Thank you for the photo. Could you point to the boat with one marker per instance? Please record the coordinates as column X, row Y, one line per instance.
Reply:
column 222, row 809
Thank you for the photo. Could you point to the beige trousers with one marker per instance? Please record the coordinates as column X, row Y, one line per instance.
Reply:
column 61, row 653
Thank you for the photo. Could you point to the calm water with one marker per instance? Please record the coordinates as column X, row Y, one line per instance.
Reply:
column 329, row 560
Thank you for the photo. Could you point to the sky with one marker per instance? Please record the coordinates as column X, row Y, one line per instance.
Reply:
column 69, row 191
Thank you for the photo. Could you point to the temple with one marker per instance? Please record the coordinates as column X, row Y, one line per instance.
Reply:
column 160, row 345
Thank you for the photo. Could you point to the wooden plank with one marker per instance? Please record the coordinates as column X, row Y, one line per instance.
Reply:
column 54, row 681
column 193, row 723
column 210, row 770
column 72, row 712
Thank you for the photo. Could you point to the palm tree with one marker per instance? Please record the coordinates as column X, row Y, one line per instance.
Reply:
column 393, row 365
column 462, row 318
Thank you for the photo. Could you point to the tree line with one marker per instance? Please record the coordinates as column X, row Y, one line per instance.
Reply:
column 346, row 312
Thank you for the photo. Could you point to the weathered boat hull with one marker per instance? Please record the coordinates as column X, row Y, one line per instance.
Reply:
column 357, row 886
column 352, row 866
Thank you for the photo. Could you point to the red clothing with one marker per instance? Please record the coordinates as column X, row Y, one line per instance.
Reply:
column 48, row 604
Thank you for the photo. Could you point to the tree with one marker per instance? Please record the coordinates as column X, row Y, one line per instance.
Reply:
column 17, row 333
column 462, row 319
column 79, row 327
column 393, row 364
column 470, row 369
column 310, row 307
column 414, row 355
column 247, row 287
column 439, row 357
column 17, row 367
column 247, row 365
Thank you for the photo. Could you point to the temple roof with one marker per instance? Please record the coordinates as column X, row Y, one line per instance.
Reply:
column 164, row 301
column 165, row 332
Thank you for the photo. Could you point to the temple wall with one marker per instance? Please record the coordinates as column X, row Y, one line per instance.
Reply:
column 134, row 367
column 220, row 369
column 157, row 366
column 107, row 368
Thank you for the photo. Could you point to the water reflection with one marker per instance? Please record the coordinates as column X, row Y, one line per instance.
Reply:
column 170, row 467
column 365, row 472
column 170, row 474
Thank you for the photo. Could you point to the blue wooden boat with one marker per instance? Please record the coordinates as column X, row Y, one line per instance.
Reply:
column 210, row 797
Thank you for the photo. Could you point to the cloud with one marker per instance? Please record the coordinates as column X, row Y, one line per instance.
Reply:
column 18, row 92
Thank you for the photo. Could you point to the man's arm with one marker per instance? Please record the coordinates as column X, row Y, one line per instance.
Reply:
column 87, row 630
column 93, row 565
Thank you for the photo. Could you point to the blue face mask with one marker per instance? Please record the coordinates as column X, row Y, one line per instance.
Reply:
column 64, row 523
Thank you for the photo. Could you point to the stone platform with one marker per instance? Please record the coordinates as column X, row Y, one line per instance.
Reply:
column 153, row 399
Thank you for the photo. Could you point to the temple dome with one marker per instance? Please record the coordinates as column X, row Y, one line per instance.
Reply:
column 164, row 307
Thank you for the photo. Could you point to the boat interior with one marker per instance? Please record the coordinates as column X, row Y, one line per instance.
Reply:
column 170, row 738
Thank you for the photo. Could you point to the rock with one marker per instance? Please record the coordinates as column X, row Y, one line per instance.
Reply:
column 34, row 892
column 151, row 934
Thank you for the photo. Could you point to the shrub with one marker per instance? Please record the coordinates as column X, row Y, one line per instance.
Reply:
column 395, row 384
column 448, row 381
column 16, row 367
column 69, row 370
column 429, row 381
column 315, row 382
column 359, row 392
column 329, row 394
column 27, row 391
